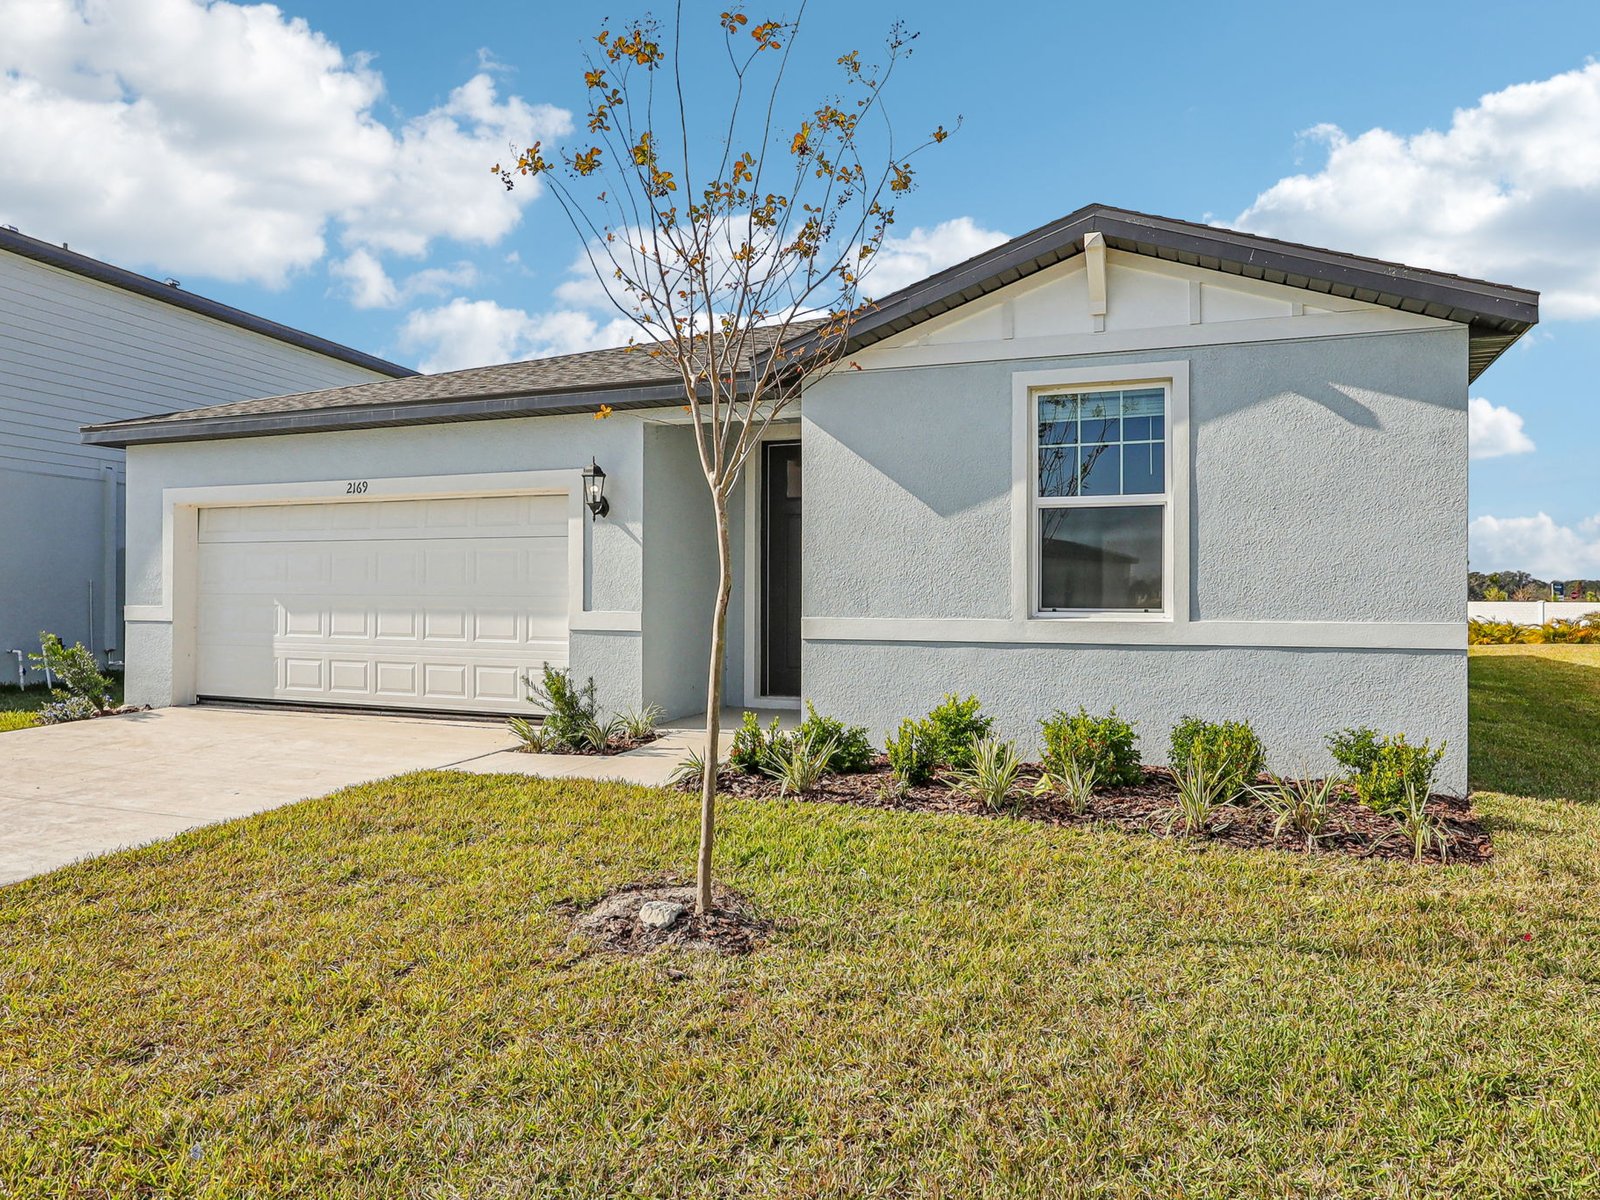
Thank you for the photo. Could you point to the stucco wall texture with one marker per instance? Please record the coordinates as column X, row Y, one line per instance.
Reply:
column 1328, row 483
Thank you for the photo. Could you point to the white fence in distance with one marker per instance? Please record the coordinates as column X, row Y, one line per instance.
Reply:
column 1529, row 612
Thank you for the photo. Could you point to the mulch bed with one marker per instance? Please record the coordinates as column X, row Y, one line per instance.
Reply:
column 615, row 746
column 1146, row 807
column 733, row 927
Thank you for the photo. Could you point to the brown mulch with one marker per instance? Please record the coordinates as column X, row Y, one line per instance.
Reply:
column 1147, row 807
column 733, row 927
column 616, row 746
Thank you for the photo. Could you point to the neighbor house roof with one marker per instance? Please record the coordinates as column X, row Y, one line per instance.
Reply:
column 1495, row 315
column 61, row 257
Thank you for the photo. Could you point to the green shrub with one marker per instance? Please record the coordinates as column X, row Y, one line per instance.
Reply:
column 1384, row 767
column 1231, row 749
column 753, row 745
column 83, row 691
column 852, row 752
column 910, row 755
column 953, row 729
column 571, row 711
column 1106, row 745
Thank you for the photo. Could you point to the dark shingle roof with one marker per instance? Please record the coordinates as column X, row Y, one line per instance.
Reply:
column 1495, row 314
column 623, row 377
column 64, row 259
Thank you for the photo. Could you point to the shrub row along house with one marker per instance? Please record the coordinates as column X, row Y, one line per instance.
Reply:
column 82, row 340
column 1120, row 460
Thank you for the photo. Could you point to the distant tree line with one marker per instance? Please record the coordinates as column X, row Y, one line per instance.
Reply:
column 1519, row 585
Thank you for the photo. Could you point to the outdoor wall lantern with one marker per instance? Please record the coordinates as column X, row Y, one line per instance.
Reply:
column 594, row 490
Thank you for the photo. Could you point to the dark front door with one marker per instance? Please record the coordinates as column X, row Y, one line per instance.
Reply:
column 780, row 569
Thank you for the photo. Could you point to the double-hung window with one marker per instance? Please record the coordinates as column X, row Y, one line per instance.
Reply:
column 1101, row 491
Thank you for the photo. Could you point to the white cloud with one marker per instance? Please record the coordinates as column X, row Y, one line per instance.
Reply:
column 366, row 284
column 905, row 260
column 475, row 333
column 1509, row 192
column 232, row 141
column 1537, row 545
column 1494, row 430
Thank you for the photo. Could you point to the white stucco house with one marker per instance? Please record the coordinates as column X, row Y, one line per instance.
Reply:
column 81, row 340
column 1121, row 460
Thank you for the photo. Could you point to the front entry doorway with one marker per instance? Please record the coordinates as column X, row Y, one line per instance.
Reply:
column 779, row 638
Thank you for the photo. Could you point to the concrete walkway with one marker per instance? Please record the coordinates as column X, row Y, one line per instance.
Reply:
column 72, row 791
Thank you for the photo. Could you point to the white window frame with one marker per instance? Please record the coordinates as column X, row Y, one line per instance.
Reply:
column 1027, row 386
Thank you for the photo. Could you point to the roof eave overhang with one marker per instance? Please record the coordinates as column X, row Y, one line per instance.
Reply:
column 1495, row 314
column 431, row 412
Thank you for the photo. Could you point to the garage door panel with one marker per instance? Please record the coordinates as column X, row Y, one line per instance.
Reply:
column 430, row 604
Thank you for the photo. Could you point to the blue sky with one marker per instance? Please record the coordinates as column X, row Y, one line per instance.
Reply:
column 326, row 165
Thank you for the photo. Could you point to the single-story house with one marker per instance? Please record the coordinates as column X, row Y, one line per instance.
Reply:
column 82, row 340
column 1120, row 460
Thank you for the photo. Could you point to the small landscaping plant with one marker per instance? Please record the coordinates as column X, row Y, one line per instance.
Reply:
column 800, row 761
column 689, row 772
column 572, row 720
column 1105, row 746
column 990, row 774
column 1231, row 750
column 953, row 730
column 639, row 724
column 1073, row 779
column 753, row 745
column 534, row 739
column 84, row 691
column 1202, row 787
column 1302, row 805
column 569, row 709
column 1382, row 767
column 852, row 752
column 1420, row 827
column 910, row 754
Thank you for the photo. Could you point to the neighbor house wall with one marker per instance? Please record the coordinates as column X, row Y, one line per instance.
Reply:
column 1326, row 540
column 605, row 641
column 74, row 351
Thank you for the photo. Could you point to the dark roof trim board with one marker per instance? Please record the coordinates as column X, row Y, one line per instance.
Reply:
column 1496, row 316
column 64, row 259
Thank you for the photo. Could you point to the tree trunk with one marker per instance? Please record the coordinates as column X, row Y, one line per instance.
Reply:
column 719, row 655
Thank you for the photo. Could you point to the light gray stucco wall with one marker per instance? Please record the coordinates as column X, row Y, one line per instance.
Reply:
column 1328, row 483
column 680, row 571
column 613, row 556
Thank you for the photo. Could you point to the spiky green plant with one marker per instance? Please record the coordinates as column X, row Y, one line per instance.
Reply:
column 799, row 762
column 1073, row 779
column 1203, row 786
column 991, row 773
column 1302, row 805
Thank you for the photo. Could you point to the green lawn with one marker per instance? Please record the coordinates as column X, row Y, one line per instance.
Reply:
column 18, row 705
column 1535, row 714
column 374, row 994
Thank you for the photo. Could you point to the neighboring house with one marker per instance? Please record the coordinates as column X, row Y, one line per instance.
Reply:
column 81, row 340
column 1121, row 460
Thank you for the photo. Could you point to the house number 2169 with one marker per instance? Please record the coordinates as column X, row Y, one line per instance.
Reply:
column 355, row 488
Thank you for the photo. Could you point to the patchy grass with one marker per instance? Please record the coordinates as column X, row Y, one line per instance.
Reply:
column 371, row 995
column 18, row 706
column 1535, row 720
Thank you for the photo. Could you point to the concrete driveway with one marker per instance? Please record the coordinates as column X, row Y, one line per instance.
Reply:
column 70, row 791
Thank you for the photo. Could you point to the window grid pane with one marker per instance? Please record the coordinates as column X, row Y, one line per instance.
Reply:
column 1102, row 443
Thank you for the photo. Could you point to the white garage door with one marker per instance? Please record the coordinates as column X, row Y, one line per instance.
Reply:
column 429, row 604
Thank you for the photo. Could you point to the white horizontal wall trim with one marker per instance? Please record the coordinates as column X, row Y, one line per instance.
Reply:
column 603, row 621
column 1169, row 337
column 1340, row 635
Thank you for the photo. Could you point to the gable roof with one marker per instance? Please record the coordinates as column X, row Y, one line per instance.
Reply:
column 1495, row 314
column 64, row 259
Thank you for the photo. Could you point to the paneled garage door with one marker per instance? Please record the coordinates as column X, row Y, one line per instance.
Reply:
column 430, row 604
